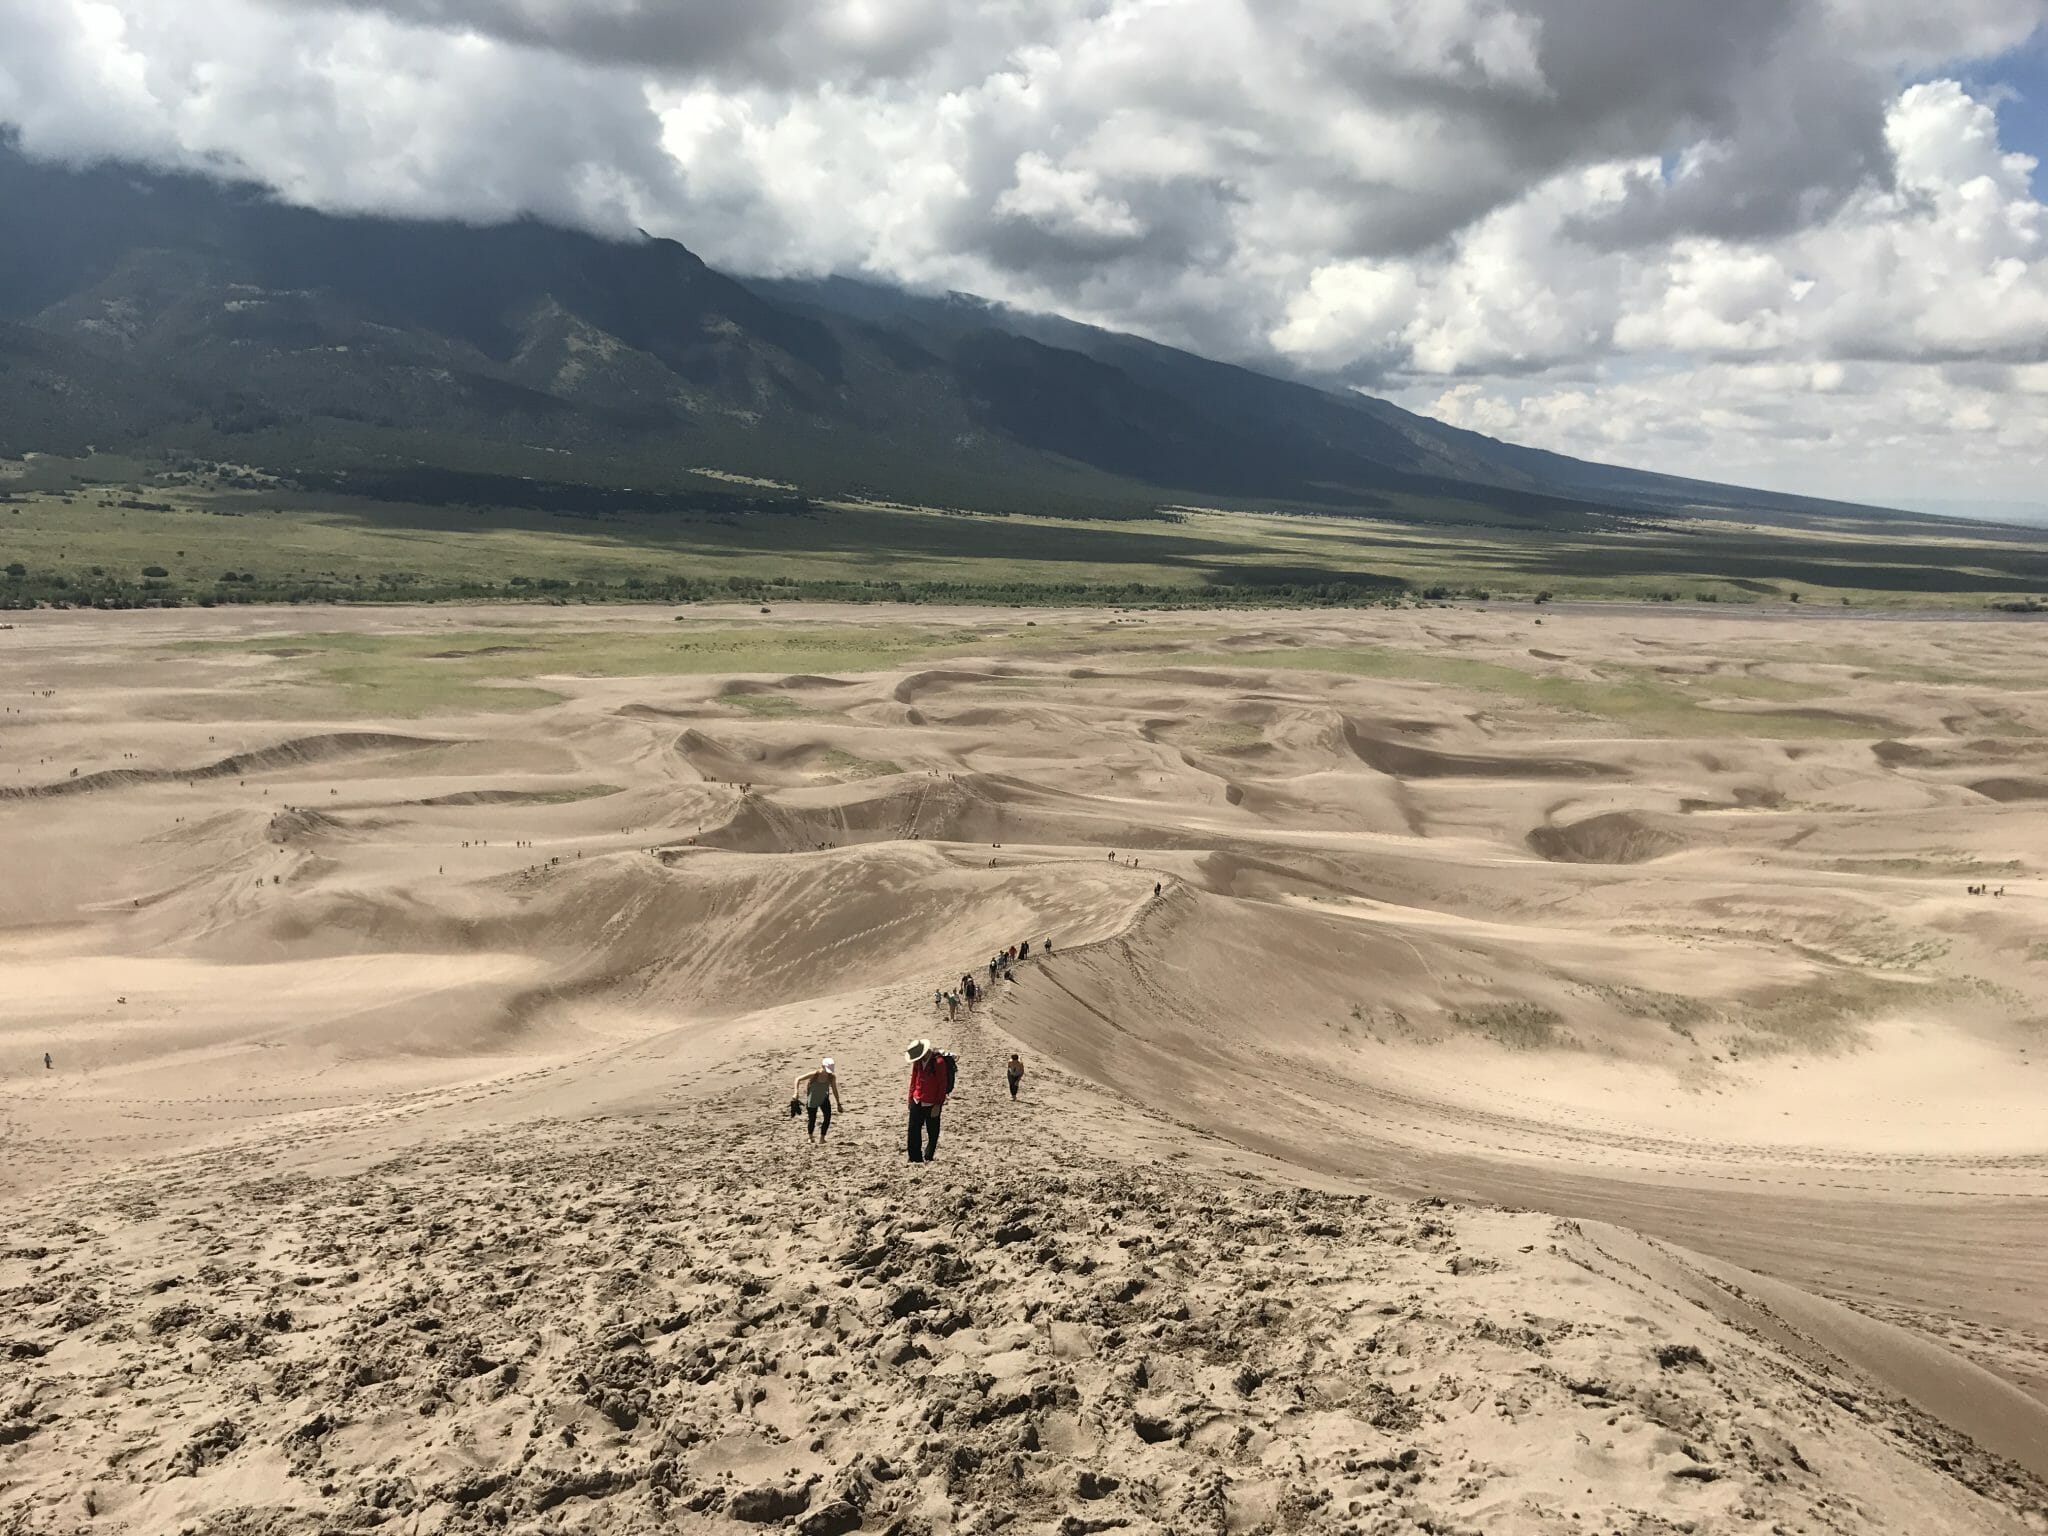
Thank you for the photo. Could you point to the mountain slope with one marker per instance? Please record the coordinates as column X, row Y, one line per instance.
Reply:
column 147, row 310
column 1308, row 419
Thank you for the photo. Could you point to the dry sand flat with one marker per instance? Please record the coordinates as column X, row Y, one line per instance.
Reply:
column 396, row 1034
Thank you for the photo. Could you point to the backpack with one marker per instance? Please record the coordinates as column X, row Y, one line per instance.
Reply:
column 952, row 1066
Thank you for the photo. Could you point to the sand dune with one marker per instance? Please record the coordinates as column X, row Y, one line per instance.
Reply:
column 300, row 752
column 1505, row 1115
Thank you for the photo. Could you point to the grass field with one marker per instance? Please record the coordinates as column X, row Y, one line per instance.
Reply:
column 104, row 532
column 1645, row 702
column 510, row 665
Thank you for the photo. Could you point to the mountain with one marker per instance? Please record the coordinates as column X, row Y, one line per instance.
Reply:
column 149, row 311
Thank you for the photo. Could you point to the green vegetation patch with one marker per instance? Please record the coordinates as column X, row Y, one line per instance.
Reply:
column 1640, row 700
column 1826, row 1014
column 485, row 668
column 1518, row 1026
column 1673, row 1008
column 1215, row 736
column 96, row 531
column 849, row 766
column 769, row 706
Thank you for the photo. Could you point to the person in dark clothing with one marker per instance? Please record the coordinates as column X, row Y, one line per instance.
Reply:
column 47, row 1066
column 1156, row 887
column 928, row 1090
column 1015, row 1072
column 819, row 1091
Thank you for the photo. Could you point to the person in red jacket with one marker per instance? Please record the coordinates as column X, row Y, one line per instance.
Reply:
column 931, row 1079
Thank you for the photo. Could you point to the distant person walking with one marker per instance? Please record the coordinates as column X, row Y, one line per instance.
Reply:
column 931, row 1080
column 1014, row 1072
column 48, row 1065
column 820, row 1091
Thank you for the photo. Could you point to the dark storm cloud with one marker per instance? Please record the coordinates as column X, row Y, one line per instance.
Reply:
column 766, row 42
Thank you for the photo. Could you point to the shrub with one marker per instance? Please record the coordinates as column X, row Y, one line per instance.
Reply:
column 155, row 571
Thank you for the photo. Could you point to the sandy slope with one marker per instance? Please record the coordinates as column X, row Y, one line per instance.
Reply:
column 483, row 1017
column 673, row 1315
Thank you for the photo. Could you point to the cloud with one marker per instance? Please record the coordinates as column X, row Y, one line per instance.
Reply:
column 775, row 42
column 1492, row 203
column 358, row 113
column 1883, row 432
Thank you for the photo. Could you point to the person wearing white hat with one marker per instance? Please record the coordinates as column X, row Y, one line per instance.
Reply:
column 820, row 1091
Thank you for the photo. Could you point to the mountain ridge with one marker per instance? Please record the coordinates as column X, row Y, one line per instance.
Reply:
column 160, row 311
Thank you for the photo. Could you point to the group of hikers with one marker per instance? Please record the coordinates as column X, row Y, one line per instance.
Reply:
column 933, row 1076
column 1001, row 967
column 1985, row 890
column 933, row 1072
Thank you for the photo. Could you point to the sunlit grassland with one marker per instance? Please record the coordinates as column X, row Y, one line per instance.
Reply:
column 509, row 667
column 1633, row 698
column 322, row 546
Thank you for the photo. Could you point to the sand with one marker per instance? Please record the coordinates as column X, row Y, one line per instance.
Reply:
column 1592, row 1102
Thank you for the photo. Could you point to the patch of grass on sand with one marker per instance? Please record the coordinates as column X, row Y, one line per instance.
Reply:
column 1518, row 1026
column 1673, row 1008
column 1638, row 701
column 848, row 766
column 399, row 687
column 1951, row 865
column 1215, row 736
column 769, row 706
column 417, row 673
column 1822, row 1015
column 573, row 794
column 1759, row 688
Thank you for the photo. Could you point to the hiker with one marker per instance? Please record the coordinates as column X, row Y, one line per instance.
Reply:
column 1014, row 1072
column 1024, row 950
column 1047, row 946
column 820, row 1091
column 952, row 1006
column 47, row 1065
column 931, row 1079
column 1156, row 885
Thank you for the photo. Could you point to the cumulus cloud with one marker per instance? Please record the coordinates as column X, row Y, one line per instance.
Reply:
column 1547, row 215
column 351, row 113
